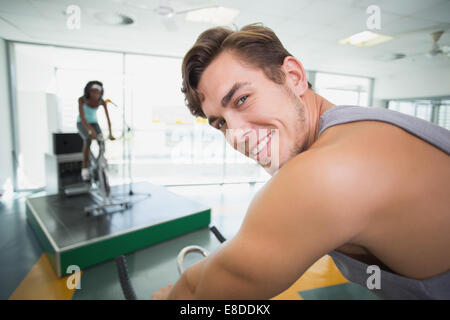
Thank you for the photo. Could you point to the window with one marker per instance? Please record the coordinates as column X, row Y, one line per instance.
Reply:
column 434, row 110
column 168, row 145
column 342, row 89
column 49, row 82
column 171, row 146
column 405, row 107
column 444, row 114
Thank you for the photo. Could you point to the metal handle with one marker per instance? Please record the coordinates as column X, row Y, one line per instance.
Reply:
column 185, row 251
column 100, row 137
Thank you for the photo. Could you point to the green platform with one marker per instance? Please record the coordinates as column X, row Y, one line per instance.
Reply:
column 70, row 237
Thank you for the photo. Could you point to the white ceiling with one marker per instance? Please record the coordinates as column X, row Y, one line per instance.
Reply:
column 310, row 29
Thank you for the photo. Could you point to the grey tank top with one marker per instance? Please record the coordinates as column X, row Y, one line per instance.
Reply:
column 393, row 286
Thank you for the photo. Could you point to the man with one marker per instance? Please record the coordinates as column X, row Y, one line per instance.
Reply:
column 350, row 181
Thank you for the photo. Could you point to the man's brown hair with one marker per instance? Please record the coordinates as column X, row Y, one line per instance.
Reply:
column 255, row 44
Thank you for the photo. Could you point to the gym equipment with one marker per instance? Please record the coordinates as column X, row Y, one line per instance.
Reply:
column 70, row 238
column 100, row 188
column 63, row 166
column 184, row 252
column 122, row 269
column 62, row 172
column 125, row 283
column 67, row 142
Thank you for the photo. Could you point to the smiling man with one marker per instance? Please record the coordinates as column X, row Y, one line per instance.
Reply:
column 368, row 186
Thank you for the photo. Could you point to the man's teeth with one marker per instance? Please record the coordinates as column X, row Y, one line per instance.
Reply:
column 262, row 144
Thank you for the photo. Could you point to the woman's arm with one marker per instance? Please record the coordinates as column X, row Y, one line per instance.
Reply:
column 107, row 118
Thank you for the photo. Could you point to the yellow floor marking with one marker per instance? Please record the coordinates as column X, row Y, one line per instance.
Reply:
column 41, row 283
column 322, row 273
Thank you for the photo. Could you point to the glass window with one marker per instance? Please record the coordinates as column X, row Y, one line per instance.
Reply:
column 166, row 144
column 49, row 82
column 170, row 146
column 434, row 110
column 406, row 107
column 444, row 114
column 423, row 110
column 342, row 89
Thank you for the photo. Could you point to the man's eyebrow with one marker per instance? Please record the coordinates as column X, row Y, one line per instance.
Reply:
column 226, row 98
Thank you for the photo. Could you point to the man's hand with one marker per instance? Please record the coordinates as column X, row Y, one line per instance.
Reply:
column 162, row 294
column 111, row 137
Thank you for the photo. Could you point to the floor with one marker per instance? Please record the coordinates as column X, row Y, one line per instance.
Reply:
column 25, row 272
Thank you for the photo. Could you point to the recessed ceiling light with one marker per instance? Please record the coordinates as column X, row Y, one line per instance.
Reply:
column 165, row 11
column 366, row 39
column 111, row 18
column 214, row 15
column 386, row 57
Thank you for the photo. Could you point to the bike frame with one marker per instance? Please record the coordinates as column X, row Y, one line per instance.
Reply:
column 101, row 193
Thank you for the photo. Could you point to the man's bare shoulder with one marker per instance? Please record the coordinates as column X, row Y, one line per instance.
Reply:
column 331, row 167
column 300, row 214
column 334, row 179
column 317, row 187
column 357, row 167
column 343, row 179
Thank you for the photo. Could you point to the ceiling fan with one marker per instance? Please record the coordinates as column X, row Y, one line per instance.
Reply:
column 165, row 9
column 168, row 11
column 436, row 50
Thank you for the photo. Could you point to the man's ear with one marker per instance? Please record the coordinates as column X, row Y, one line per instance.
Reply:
column 295, row 75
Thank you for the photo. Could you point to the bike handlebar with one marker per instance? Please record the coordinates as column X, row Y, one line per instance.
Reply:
column 99, row 137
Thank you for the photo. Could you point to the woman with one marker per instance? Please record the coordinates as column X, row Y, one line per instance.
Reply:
column 87, row 123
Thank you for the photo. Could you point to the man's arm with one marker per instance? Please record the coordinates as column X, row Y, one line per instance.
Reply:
column 301, row 214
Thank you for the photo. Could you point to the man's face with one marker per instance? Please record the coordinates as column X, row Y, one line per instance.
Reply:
column 257, row 115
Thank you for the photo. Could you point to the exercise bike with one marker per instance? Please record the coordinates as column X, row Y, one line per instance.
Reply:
column 100, row 189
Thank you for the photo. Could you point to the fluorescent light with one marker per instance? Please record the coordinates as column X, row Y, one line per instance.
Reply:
column 365, row 39
column 214, row 15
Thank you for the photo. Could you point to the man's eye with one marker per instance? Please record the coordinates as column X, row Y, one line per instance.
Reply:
column 220, row 124
column 241, row 100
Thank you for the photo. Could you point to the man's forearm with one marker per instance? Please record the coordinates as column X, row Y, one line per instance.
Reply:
column 202, row 280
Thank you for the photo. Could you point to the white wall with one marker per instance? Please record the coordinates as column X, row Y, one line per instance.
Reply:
column 5, row 128
column 32, row 138
column 428, row 83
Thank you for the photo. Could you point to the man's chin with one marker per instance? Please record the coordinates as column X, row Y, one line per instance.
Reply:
column 271, row 167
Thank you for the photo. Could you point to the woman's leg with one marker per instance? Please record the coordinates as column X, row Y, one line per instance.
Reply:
column 84, row 134
column 86, row 148
column 85, row 175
